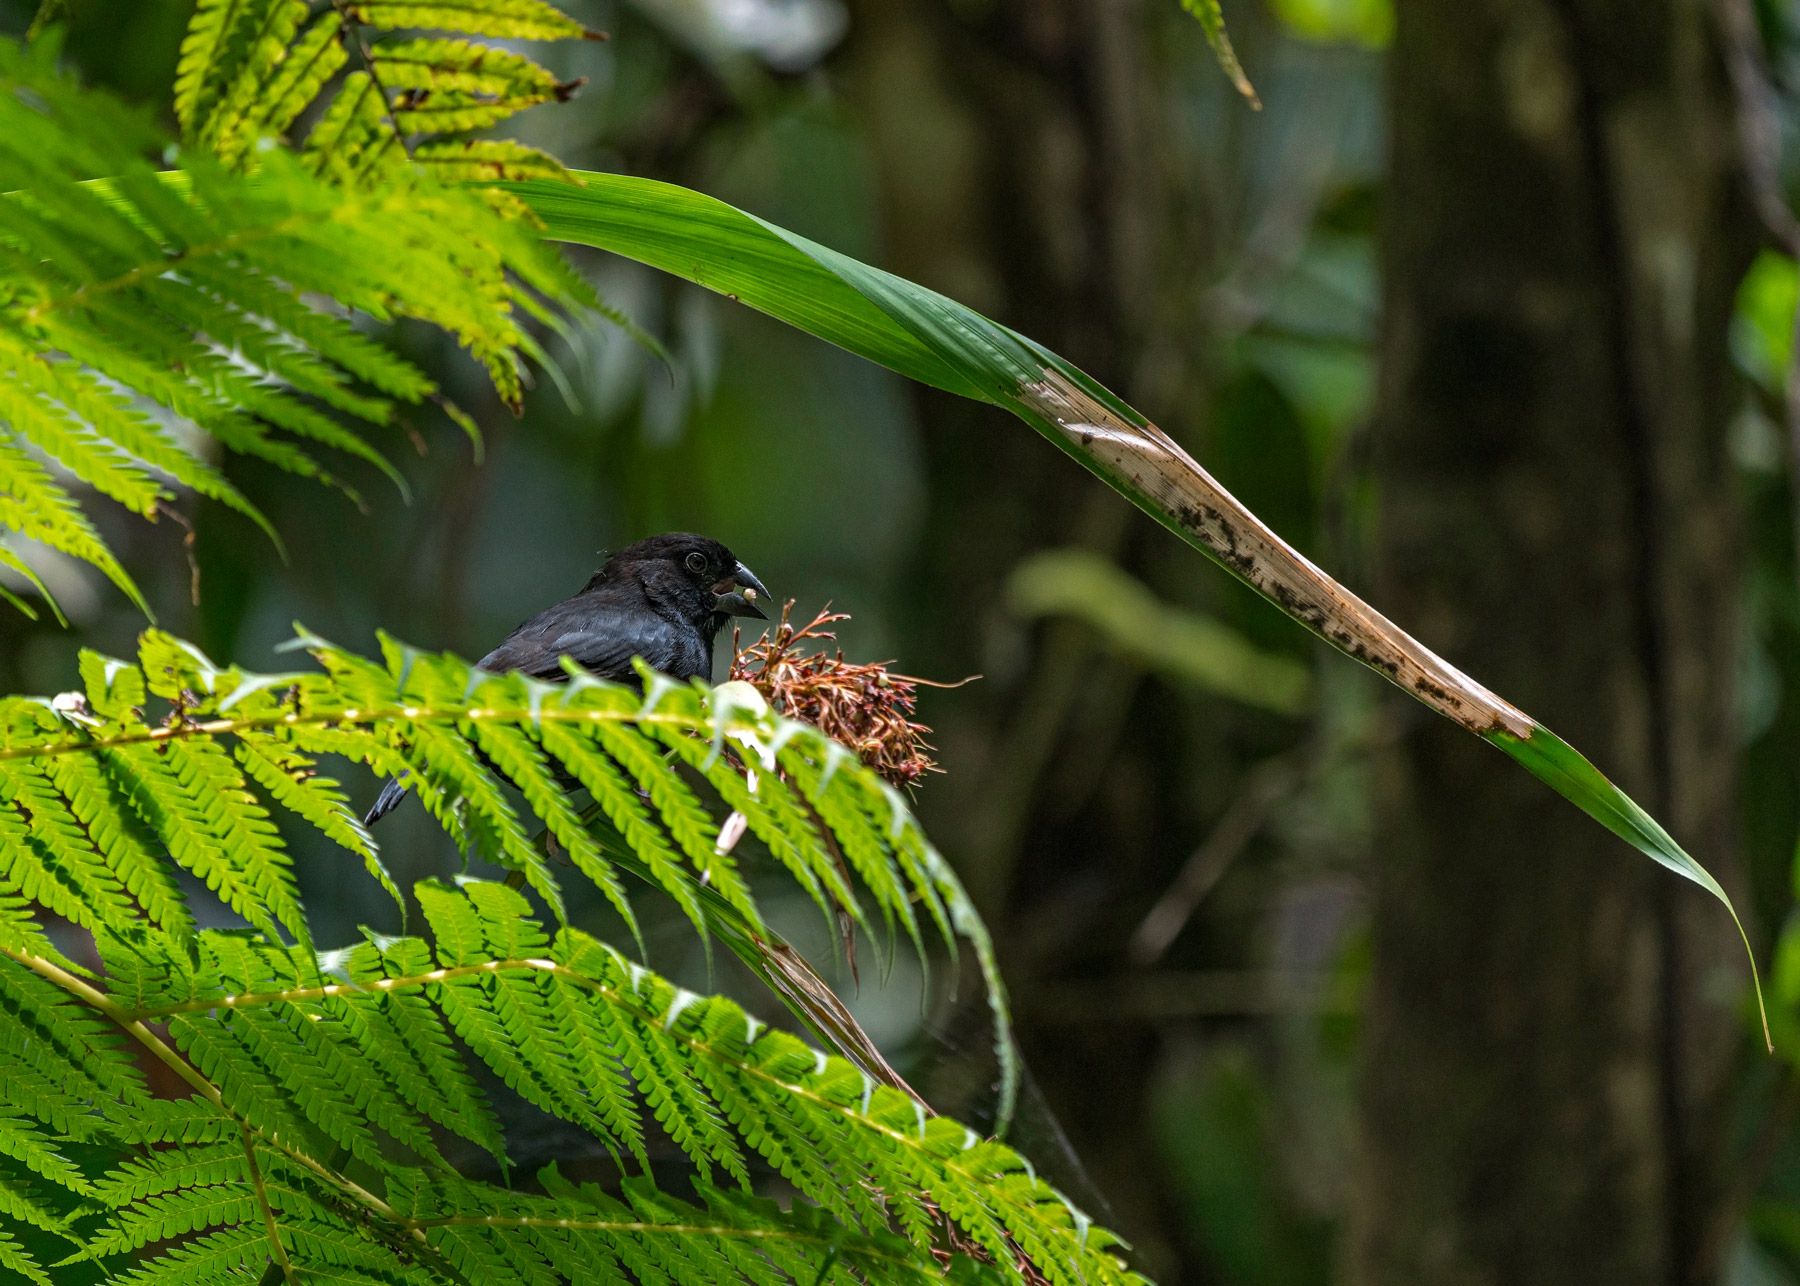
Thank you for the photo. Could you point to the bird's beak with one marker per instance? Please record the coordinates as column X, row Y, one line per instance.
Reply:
column 736, row 595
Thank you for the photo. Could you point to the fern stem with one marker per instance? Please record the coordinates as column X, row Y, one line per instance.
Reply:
column 295, row 994
column 639, row 1228
column 277, row 1251
column 408, row 714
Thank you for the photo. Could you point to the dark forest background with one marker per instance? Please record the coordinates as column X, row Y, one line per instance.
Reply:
column 1489, row 310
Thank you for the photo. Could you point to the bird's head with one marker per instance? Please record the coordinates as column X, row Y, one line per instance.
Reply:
column 723, row 583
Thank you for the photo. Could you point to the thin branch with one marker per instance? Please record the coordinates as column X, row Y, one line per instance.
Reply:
column 1243, row 819
column 47, row 13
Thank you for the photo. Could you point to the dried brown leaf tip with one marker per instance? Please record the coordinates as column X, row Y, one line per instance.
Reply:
column 867, row 708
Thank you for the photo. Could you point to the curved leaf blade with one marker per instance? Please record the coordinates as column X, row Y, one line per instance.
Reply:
column 928, row 337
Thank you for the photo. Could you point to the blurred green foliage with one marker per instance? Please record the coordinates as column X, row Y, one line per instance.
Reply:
column 1144, row 630
column 1367, row 22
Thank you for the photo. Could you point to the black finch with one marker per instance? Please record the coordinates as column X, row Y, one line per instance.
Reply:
column 664, row 599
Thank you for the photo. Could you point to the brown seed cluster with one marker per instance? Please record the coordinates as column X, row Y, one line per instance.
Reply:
column 867, row 708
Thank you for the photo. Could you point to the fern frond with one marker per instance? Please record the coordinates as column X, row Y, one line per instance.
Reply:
column 156, row 1172
column 770, row 812
column 168, row 1216
column 130, row 298
column 405, row 1040
column 251, row 68
column 433, row 66
column 58, row 1064
column 23, row 1141
column 85, row 454
column 109, row 785
column 601, row 766
column 303, row 1064
column 352, row 134
column 234, row 1254
column 39, row 830
column 25, row 572
column 306, row 1147
column 85, row 401
column 292, row 781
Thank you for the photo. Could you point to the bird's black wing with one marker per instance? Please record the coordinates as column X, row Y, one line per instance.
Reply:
column 602, row 636
column 601, row 639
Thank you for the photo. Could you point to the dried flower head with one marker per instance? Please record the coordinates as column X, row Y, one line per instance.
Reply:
column 867, row 708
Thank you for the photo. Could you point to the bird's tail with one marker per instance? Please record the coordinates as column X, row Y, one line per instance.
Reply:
column 387, row 801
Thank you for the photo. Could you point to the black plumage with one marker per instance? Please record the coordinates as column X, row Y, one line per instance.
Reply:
column 664, row 599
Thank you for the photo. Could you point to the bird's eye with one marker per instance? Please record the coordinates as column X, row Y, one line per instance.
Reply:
column 696, row 563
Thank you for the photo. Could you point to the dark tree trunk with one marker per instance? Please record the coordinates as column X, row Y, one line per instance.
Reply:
column 1032, row 170
column 1552, row 1017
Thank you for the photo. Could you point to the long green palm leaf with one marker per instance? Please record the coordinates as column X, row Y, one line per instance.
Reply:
column 935, row 340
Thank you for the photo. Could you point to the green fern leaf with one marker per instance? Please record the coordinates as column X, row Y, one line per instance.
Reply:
column 116, row 422
column 15, row 1260
column 88, row 457
column 488, row 160
column 155, row 1173
column 773, row 818
column 292, row 781
column 292, row 1077
column 23, row 1141
column 349, row 141
column 508, row 19
column 523, row 763
column 122, row 785
column 54, row 859
column 290, row 88
column 118, row 834
column 233, row 1254
column 205, row 53
column 59, row 1063
column 169, row 1215
column 24, row 571
column 405, row 1039
column 32, row 504
column 450, row 112
column 191, row 796
column 268, row 30
column 600, row 775
column 435, row 66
